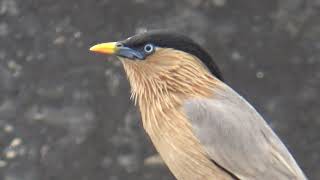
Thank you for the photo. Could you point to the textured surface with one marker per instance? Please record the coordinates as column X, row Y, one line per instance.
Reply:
column 65, row 113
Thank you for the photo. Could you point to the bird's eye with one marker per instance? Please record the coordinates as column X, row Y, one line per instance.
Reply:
column 119, row 44
column 148, row 48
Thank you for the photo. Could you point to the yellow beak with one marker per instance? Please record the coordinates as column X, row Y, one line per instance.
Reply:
column 105, row 48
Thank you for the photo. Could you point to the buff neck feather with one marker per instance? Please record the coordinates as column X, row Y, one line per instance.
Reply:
column 160, row 84
column 167, row 76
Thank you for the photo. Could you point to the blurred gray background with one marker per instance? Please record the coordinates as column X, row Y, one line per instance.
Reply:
column 65, row 113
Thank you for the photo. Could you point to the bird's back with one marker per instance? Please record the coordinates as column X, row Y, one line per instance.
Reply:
column 237, row 138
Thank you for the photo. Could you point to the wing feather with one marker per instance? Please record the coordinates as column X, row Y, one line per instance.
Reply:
column 237, row 138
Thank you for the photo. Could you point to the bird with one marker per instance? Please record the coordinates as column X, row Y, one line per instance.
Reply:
column 200, row 126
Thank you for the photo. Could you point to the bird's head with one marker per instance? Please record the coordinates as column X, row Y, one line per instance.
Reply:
column 162, row 58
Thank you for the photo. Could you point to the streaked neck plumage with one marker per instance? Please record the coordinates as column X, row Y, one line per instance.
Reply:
column 168, row 72
column 160, row 84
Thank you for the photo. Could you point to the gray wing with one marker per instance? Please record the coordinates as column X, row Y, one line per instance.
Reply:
column 238, row 139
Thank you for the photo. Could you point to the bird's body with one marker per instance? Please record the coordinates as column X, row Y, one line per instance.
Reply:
column 199, row 125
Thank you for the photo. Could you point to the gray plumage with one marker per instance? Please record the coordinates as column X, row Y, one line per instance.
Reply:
column 238, row 139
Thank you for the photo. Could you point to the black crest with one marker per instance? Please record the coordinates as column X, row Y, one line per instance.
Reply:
column 167, row 39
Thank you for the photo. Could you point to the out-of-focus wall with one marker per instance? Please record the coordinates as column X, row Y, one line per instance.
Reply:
column 65, row 113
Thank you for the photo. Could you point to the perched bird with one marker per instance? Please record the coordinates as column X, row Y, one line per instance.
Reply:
column 200, row 126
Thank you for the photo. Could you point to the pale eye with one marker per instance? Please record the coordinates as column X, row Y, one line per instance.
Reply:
column 148, row 48
column 119, row 45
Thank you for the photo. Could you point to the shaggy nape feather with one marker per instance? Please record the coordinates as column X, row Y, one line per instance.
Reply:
column 159, row 85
